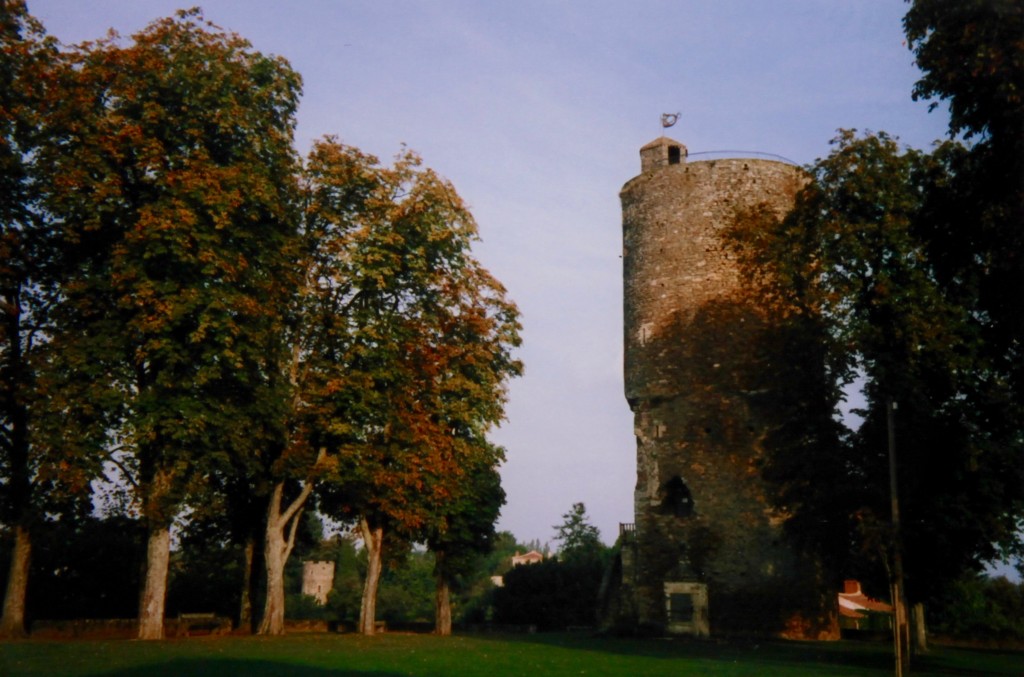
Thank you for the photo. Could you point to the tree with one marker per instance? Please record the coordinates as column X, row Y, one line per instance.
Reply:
column 21, row 42
column 42, row 469
column 464, row 531
column 208, row 564
column 977, row 606
column 406, row 589
column 337, row 183
column 421, row 337
column 578, row 537
column 972, row 56
column 853, row 254
column 173, row 180
column 85, row 568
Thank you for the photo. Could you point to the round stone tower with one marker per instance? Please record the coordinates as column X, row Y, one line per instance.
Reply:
column 696, row 355
column 317, row 580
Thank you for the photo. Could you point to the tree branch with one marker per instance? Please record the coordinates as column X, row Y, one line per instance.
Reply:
column 293, row 529
column 307, row 489
column 124, row 471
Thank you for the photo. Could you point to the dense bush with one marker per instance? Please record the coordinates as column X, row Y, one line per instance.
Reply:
column 551, row 595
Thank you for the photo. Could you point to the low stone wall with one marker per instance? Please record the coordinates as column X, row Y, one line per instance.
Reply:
column 85, row 628
column 307, row 626
column 188, row 625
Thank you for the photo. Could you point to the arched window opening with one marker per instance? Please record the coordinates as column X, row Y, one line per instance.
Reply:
column 678, row 500
column 674, row 155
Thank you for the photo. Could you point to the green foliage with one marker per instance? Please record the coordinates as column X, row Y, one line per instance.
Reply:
column 473, row 589
column 349, row 567
column 223, row 325
column 558, row 592
column 551, row 595
column 903, row 268
column 83, row 568
column 979, row 608
column 406, row 593
column 420, row 333
column 580, row 540
column 971, row 55
column 855, row 258
column 410, row 351
column 305, row 608
column 176, row 226
column 43, row 469
column 464, row 529
column 206, row 571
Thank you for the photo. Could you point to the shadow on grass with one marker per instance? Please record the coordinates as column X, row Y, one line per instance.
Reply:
column 229, row 667
column 870, row 657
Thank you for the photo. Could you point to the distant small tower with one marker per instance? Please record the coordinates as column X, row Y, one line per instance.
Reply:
column 693, row 349
column 317, row 580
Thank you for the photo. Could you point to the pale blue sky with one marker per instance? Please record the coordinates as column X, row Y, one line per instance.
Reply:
column 536, row 112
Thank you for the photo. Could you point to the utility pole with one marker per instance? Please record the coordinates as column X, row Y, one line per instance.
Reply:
column 900, row 627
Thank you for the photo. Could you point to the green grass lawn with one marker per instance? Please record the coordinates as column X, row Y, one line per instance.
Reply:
column 485, row 656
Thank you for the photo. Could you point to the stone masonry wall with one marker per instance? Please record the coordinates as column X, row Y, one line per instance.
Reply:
column 695, row 365
column 317, row 580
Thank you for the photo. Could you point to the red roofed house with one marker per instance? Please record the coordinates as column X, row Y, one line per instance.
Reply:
column 857, row 611
column 532, row 557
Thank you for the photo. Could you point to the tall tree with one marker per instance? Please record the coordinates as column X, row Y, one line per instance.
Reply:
column 338, row 184
column 852, row 252
column 971, row 55
column 21, row 42
column 173, row 177
column 32, row 476
column 426, row 350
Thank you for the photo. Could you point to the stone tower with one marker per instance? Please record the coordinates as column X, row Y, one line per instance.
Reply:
column 694, row 357
column 317, row 580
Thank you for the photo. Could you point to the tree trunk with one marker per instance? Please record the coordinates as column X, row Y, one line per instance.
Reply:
column 273, row 609
column 245, row 605
column 154, row 591
column 442, row 606
column 372, row 540
column 920, row 629
column 18, row 485
column 277, row 546
column 13, row 622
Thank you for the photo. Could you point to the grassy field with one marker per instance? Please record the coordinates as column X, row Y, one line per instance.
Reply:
column 484, row 656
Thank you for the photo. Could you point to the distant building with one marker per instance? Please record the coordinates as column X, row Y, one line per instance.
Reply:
column 532, row 557
column 857, row 611
column 317, row 580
